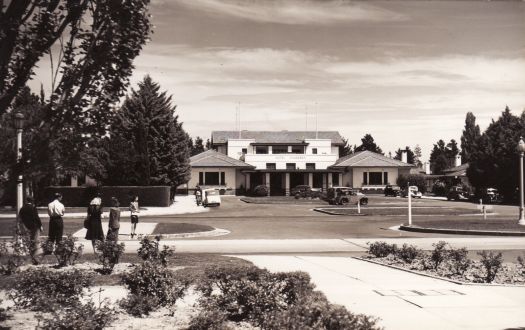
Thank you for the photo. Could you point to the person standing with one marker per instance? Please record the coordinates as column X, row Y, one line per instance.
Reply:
column 56, row 211
column 94, row 214
column 29, row 216
column 134, row 210
column 114, row 220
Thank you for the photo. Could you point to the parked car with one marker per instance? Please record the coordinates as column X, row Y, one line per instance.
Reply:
column 415, row 193
column 211, row 197
column 305, row 191
column 457, row 193
column 260, row 190
column 491, row 196
column 345, row 195
column 393, row 191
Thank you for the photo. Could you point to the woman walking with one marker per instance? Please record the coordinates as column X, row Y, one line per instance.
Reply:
column 134, row 209
column 94, row 214
column 114, row 220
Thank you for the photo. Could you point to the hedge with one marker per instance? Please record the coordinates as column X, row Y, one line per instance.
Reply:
column 81, row 196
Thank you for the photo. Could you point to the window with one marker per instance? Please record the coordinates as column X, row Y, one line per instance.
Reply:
column 270, row 166
column 297, row 149
column 314, row 151
column 375, row 178
column 201, row 178
column 211, row 178
column 365, row 178
column 279, row 149
column 261, row 149
column 290, row 166
column 310, row 166
column 223, row 178
column 244, row 151
column 385, row 177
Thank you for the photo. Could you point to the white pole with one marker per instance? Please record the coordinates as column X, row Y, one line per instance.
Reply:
column 409, row 205
column 358, row 206
column 522, row 216
column 19, row 186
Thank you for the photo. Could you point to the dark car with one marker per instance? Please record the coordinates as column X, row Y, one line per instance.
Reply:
column 305, row 191
column 457, row 193
column 345, row 195
column 393, row 191
column 491, row 196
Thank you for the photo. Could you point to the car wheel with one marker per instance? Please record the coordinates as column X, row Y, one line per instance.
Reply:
column 364, row 201
column 297, row 196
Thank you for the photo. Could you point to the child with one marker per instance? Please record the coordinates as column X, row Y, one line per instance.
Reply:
column 134, row 209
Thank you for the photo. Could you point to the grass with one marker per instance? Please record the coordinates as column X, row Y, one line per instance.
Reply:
column 177, row 228
column 399, row 211
column 474, row 224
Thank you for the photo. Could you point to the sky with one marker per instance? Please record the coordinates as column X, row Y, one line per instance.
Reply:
column 406, row 72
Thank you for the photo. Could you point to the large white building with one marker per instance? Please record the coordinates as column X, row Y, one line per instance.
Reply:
column 282, row 160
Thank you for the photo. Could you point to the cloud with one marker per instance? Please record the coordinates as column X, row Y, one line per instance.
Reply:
column 295, row 11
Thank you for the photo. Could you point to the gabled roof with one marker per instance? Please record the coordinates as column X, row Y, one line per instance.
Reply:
column 368, row 159
column 219, row 137
column 212, row 158
column 460, row 170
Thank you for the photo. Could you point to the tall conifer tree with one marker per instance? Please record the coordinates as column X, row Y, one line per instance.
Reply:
column 470, row 138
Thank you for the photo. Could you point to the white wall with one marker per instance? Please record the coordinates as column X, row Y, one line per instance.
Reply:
column 235, row 147
column 357, row 175
column 230, row 176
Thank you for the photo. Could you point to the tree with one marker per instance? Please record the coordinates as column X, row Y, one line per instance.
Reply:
column 494, row 163
column 414, row 180
column 410, row 155
column 198, row 147
column 443, row 156
column 345, row 149
column 147, row 144
column 368, row 143
column 208, row 144
column 417, row 156
column 470, row 138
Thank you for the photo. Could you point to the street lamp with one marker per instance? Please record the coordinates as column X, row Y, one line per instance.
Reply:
column 521, row 150
column 19, row 125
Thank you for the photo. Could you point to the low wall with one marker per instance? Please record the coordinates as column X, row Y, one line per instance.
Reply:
column 81, row 196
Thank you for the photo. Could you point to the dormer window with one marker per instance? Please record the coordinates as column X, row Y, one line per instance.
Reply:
column 314, row 151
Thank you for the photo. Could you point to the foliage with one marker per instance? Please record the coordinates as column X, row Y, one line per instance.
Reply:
column 247, row 293
column 149, row 251
column 408, row 253
column 109, row 254
column 345, row 149
column 80, row 316
column 209, row 319
column 469, row 138
column 153, row 281
column 417, row 156
column 66, row 251
column 198, row 146
column 443, row 156
column 10, row 262
column 439, row 188
column 411, row 158
column 414, row 179
column 148, row 145
column 368, row 143
column 439, row 254
column 381, row 249
column 139, row 305
column 458, row 260
column 260, row 190
column 42, row 289
column 492, row 263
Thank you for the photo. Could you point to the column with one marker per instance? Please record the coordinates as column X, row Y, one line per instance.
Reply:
column 330, row 180
column 341, row 179
column 247, row 177
column 324, row 182
column 287, row 184
column 268, row 182
column 311, row 179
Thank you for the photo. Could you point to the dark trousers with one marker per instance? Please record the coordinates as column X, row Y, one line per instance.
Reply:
column 56, row 229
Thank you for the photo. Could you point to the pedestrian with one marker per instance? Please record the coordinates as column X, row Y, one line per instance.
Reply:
column 29, row 216
column 56, row 211
column 134, row 210
column 114, row 220
column 94, row 214
column 198, row 195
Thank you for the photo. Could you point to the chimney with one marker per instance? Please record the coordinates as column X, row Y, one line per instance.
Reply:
column 458, row 160
column 427, row 167
column 404, row 158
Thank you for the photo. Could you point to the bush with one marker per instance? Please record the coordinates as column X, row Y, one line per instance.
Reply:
column 260, row 190
column 439, row 254
column 439, row 188
column 209, row 320
column 381, row 249
column 150, row 280
column 247, row 293
column 42, row 289
column 66, row 251
column 458, row 260
column 149, row 251
column 109, row 254
column 414, row 179
column 139, row 305
column 80, row 317
column 408, row 253
column 492, row 264
column 19, row 256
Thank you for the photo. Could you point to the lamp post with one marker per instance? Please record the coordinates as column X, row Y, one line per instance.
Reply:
column 521, row 150
column 19, row 125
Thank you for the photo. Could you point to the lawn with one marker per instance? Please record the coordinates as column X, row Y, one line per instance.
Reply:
column 178, row 228
column 283, row 200
column 472, row 224
column 397, row 211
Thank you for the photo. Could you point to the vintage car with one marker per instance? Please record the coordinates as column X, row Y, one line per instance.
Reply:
column 414, row 192
column 491, row 196
column 457, row 193
column 345, row 195
column 211, row 197
column 393, row 191
column 305, row 191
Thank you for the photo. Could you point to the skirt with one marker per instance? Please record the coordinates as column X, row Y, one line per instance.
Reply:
column 134, row 219
column 94, row 231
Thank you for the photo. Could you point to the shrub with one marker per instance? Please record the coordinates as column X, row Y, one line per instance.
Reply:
column 11, row 261
column 260, row 190
column 247, row 293
column 80, row 317
column 414, row 179
column 109, row 254
column 151, row 280
column 66, row 251
column 408, row 253
column 149, row 251
column 439, row 254
column 42, row 289
column 458, row 260
column 209, row 320
column 439, row 188
column 139, row 305
column 381, row 249
column 492, row 264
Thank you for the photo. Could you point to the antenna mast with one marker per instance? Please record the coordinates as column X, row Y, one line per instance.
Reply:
column 316, row 131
